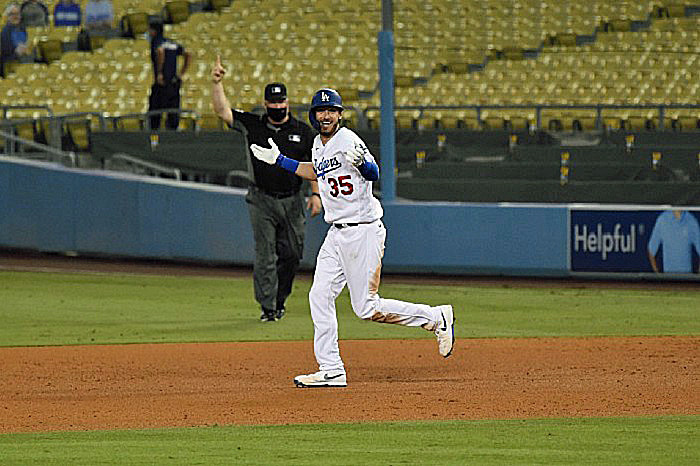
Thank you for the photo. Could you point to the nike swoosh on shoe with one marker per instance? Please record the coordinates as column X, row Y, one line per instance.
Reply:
column 326, row 377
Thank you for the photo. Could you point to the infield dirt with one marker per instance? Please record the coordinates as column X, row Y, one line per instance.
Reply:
column 173, row 385
column 169, row 385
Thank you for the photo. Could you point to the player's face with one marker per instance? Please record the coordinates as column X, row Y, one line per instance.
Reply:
column 328, row 120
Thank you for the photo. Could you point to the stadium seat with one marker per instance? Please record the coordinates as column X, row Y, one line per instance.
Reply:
column 49, row 50
column 492, row 119
column 585, row 121
column 26, row 130
column 79, row 134
column 639, row 121
column 177, row 11
column 645, row 66
column 129, row 124
column 676, row 10
column 688, row 121
column 350, row 117
column 9, row 67
column 427, row 120
column 210, row 121
column 97, row 42
column 219, row 5
column 134, row 24
column 620, row 25
column 612, row 123
column 406, row 119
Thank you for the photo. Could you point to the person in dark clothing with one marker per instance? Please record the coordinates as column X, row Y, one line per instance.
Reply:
column 13, row 39
column 275, row 198
column 34, row 14
column 165, row 91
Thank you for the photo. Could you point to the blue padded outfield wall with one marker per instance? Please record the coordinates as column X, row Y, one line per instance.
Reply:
column 486, row 239
column 50, row 208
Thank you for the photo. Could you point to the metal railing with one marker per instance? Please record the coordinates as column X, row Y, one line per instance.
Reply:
column 537, row 109
column 54, row 123
column 56, row 155
column 16, row 145
column 144, row 118
column 148, row 167
column 7, row 108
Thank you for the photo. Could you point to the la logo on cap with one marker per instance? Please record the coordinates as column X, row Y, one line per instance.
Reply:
column 325, row 97
column 276, row 89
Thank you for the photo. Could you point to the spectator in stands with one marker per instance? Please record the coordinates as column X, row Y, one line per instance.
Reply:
column 67, row 13
column 677, row 232
column 13, row 39
column 34, row 13
column 99, row 15
column 165, row 91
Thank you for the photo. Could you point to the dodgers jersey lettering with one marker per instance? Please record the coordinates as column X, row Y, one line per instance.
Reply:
column 346, row 195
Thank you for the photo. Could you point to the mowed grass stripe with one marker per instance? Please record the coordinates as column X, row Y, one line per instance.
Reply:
column 662, row 440
column 66, row 308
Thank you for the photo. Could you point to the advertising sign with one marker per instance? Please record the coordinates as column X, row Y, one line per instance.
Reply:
column 663, row 241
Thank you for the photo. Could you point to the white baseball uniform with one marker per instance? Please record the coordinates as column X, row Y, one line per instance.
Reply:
column 352, row 251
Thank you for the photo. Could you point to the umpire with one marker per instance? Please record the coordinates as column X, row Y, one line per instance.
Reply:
column 275, row 200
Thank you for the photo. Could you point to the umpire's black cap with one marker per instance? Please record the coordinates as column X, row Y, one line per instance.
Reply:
column 275, row 92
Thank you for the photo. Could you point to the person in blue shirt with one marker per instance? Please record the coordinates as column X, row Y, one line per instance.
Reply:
column 67, row 13
column 165, row 91
column 99, row 15
column 677, row 232
column 13, row 39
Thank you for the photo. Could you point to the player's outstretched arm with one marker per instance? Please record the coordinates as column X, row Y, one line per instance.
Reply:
column 272, row 156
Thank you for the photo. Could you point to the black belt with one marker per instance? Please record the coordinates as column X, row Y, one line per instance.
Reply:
column 277, row 195
column 345, row 225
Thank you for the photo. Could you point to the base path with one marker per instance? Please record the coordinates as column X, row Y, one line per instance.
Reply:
column 169, row 385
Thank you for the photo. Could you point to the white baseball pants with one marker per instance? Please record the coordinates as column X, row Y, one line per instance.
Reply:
column 352, row 256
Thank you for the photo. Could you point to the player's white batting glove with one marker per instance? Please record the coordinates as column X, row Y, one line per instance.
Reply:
column 265, row 154
column 354, row 157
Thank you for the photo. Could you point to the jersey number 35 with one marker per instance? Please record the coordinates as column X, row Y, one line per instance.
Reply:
column 341, row 186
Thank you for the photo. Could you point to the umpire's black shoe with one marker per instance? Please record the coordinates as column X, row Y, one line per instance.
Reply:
column 267, row 315
column 280, row 313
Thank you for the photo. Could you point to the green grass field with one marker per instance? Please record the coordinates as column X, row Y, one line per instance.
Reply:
column 553, row 441
column 67, row 309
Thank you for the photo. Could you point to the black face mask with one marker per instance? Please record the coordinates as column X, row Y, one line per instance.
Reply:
column 276, row 114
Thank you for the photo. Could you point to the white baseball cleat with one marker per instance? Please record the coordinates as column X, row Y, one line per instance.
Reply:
column 445, row 330
column 322, row 379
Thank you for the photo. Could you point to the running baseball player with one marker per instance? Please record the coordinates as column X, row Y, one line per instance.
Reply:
column 352, row 251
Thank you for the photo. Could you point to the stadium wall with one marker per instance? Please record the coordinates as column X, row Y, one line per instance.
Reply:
column 47, row 207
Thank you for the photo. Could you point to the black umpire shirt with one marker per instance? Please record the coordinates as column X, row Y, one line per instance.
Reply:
column 294, row 140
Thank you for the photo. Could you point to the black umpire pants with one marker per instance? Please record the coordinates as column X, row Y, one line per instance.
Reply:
column 166, row 96
column 278, row 230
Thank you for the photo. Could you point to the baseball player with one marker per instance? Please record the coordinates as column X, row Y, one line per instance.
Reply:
column 352, row 251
